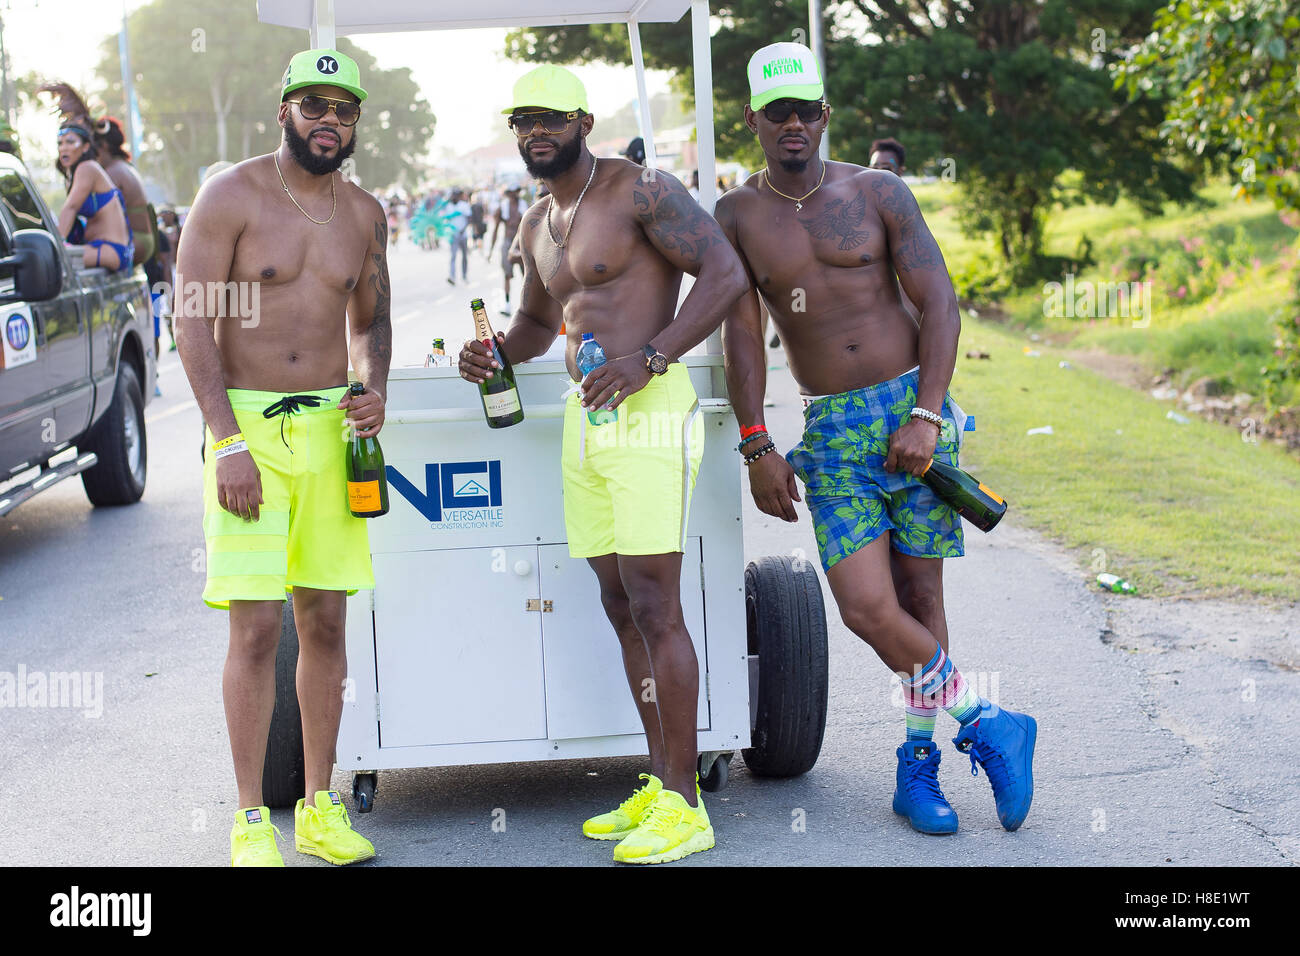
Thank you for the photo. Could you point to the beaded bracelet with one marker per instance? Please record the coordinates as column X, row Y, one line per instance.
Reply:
column 753, row 437
column 218, row 445
column 927, row 416
column 765, row 450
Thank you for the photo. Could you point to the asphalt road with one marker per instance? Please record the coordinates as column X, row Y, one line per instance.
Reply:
column 1162, row 727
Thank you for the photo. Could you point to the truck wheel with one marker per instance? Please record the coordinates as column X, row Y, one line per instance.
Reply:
column 118, row 438
column 786, row 623
column 283, row 777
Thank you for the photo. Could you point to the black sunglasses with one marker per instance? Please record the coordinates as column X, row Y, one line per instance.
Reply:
column 778, row 111
column 314, row 107
column 553, row 121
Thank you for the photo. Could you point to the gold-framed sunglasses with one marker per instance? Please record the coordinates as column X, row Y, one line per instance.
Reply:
column 553, row 121
column 314, row 106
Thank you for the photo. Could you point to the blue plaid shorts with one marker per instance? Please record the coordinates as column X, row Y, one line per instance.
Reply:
column 852, row 499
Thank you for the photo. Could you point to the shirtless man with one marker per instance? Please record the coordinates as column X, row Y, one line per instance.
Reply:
column 507, row 220
column 605, row 254
column 822, row 242
column 276, row 512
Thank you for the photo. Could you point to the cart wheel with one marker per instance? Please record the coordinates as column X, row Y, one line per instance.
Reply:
column 363, row 791
column 283, row 778
column 713, row 774
column 786, row 622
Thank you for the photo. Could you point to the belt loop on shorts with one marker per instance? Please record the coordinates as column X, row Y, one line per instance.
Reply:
column 290, row 405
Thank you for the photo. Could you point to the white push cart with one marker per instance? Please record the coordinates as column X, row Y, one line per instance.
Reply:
column 483, row 641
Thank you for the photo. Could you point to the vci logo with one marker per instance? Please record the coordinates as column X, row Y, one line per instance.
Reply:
column 18, row 331
column 457, row 495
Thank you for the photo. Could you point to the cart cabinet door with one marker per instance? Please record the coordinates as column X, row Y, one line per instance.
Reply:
column 458, row 655
column 587, row 691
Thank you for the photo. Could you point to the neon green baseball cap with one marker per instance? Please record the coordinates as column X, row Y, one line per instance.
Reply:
column 312, row 67
column 552, row 87
column 783, row 70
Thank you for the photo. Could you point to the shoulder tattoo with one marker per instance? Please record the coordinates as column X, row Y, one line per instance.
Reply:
column 916, row 248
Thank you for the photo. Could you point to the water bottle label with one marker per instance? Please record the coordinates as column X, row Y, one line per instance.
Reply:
column 364, row 496
column 502, row 403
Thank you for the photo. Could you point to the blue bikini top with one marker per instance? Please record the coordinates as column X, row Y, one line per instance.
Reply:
column 90, row 208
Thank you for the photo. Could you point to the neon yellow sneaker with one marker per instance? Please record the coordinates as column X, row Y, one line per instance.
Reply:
column 252, row 841
column 324, row 830
column 619, row 823
column 670, row 829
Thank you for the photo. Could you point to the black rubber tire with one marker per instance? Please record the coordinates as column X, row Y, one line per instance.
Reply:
column 716, row 778
column 786, row 623
column 363, row 791
column 283, row 776
column 112, row 480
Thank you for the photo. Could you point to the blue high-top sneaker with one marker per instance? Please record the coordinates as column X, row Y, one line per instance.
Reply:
column 917, row 795
column 1003, row 743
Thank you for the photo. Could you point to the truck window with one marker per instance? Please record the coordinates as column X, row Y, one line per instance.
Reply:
column 20, row 212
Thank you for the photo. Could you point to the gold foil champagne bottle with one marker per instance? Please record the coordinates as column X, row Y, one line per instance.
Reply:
column 367, row 482
column 965, row 494
column 501, row 405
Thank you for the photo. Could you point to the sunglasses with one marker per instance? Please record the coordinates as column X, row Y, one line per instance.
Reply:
column 314, row 107
column 778, row 111
column 553, row 121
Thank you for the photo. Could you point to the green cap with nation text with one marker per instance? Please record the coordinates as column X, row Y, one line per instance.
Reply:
column 783, row 71
column 324, row 66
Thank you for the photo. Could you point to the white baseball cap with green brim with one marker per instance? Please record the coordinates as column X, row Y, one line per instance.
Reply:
column 783, row 71
column 325, row 67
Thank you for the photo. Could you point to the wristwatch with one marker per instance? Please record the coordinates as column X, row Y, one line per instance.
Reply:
column 655, row 360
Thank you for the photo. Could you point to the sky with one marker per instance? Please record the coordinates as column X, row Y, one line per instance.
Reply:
column 37, row 36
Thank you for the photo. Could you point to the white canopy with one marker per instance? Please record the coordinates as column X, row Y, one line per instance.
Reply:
column 396, row 16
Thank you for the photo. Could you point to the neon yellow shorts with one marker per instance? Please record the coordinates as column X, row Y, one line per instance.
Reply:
column 306, row 535
column 628, row 484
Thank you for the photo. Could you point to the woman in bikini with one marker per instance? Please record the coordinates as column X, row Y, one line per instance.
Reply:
column 94, row 213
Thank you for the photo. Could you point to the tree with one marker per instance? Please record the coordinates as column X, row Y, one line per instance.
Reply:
column 1229, row 74
column 1001, row 95
column 208, row 84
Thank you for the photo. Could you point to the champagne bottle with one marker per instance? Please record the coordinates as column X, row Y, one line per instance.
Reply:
column 367, row 483
column 501, row 405
column 967, row 495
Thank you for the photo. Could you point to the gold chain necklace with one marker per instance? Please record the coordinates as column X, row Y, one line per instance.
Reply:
column 560, row 244
column 798, row 203
column 334, row 200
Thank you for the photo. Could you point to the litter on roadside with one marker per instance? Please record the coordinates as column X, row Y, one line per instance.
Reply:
column 1113, row 582
column 1064, row 364
column 1175, row 417
column 1043, row 430
column 1032, row 353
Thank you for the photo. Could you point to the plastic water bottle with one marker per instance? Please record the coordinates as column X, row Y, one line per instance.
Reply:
column 592, row 356
column 1113, row 582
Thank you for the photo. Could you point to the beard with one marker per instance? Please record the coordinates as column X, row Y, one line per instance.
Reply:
column 794, row 165
column 300, row 149
column 565, row 158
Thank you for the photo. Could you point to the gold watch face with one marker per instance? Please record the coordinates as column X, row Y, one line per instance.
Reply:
column 658, row 364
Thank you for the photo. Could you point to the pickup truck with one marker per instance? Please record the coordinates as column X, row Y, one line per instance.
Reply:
column 77, row 365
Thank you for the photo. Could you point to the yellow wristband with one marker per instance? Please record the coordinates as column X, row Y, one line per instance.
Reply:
column 218, row 445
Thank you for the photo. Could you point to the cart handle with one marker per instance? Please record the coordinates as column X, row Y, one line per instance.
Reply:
column 429, row 416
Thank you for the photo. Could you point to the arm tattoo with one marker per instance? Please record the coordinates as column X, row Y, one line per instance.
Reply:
column 676, row 220
column 840, row 220
column 916, row 249
column 380, row 332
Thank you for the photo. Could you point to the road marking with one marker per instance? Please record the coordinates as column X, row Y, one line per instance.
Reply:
column 174, row 410
column 407, row 317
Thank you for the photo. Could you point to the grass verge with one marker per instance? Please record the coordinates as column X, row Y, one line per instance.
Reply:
column 1177, row 510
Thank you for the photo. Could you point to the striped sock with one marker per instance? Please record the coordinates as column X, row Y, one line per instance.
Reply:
column 940, row 684
column 920, row 722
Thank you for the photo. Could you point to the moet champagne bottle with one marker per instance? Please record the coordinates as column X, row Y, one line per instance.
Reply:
column 501, row 405
column 967, row 495
column 367, row 483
